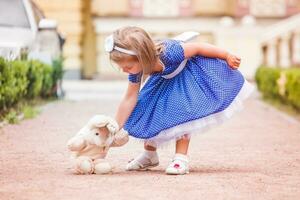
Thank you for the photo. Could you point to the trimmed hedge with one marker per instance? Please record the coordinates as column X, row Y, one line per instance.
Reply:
column 293, row 87
column 26, row 80
column 13, row 82
column 280, row 84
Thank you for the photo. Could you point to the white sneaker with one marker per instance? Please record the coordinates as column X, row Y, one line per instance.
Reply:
column 143, row 162
column 178, row 166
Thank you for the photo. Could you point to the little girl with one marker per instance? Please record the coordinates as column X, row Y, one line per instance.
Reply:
column 189, row 87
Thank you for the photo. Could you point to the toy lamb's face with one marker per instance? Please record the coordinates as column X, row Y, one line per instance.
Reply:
column 95, row 131
column 94, row 135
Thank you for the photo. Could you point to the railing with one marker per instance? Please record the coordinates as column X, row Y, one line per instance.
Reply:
column 281, row 43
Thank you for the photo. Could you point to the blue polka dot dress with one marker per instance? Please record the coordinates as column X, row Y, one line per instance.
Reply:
column 188, row 96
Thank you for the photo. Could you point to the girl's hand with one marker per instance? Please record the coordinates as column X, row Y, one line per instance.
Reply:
column 233, row 61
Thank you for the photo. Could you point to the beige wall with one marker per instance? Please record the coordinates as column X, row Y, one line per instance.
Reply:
column 213, row 7
column 75, row 23
column 89, row 65
column 69, row 17
column 160, row 8
column 169, row 8
column 268, row 8
column 110, row 7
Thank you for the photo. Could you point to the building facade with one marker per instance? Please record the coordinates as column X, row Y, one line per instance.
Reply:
column 236, row 25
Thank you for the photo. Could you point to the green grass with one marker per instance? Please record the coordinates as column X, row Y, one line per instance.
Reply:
column 24, row 110
column 30, row 112
column 12, row 117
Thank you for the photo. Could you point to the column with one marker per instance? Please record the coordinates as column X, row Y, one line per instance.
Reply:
column 271, row 53
column 284, row 51
column 296, row 48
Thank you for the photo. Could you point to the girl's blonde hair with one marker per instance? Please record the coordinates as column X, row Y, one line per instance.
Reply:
column 137, row 40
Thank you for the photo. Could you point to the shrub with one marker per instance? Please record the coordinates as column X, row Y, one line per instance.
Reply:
column 35, row 76
column 269, row 78
column 13, row 82
column 47, row 83
column 293, row 87
column 266, row 81
column 22, row 81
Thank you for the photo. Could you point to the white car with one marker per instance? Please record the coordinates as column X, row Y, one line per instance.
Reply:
column 24, row 29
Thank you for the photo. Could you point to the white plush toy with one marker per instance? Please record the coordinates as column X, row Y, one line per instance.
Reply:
column 90, row 145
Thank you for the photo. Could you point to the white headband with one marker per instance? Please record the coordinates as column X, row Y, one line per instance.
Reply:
column 109, row 46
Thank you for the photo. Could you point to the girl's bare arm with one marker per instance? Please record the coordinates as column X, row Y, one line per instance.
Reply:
column 208, row 50
column 127, row 104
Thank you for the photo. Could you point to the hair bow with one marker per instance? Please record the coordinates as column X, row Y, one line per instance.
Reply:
column 109, row 46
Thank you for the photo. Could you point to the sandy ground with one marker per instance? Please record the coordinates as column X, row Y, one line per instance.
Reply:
column 256, row 155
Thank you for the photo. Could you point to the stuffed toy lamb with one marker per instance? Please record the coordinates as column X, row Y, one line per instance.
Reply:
column 91, row 144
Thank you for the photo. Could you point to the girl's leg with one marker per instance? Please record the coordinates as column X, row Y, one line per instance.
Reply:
column 179, row 164
column 145, row 160
column 182, row 145
column 148, row 147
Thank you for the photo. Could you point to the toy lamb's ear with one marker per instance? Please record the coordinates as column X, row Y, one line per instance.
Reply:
column 102, row 121
column 187, row 36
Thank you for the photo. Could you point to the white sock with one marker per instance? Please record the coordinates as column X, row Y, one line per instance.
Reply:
column 182, row 157
column 151, row 155
column 145, row 158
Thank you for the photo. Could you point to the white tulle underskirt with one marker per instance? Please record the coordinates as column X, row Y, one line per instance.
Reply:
column 200, row 125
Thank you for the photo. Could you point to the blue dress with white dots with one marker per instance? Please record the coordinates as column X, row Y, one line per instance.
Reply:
column 177, row 101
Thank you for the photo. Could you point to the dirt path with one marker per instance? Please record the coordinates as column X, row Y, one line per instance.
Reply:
column 256, row 155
